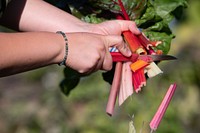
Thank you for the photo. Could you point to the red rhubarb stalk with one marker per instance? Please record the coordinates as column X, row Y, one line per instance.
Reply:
column 143, row 78
column 136, row 81
column 125, row 14
column 136, row 47
column 139, row 80
column 114, row 89
column 146, row 43
column 118, row 57
column 132, row 41
column 129, row 37
column 162, row 108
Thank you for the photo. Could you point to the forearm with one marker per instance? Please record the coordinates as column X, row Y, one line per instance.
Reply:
column 38, row 15
column 26, row 51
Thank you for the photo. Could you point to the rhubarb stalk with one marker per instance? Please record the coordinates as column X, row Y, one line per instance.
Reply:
column 136, row 47
column 133, row 42
column 126, row 88
column 162, row 108
column 139, row 80
column 114, row 89
column 153, row 70
column 125, row 14
column 138, row 65
column 129, row 37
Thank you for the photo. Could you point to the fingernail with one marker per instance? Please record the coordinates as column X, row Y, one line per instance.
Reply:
column 129, row 52
column 139, row 29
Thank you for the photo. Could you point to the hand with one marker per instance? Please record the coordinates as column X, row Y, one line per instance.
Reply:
column 115, row 27
column 89, row 52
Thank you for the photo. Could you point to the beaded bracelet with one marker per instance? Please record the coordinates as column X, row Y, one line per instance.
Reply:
column 66, row 48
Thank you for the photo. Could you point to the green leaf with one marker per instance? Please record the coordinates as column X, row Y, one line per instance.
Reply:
column 156, row 18
column 71, row 80
column 91, row 18
column 164, row 7
column 166, row 39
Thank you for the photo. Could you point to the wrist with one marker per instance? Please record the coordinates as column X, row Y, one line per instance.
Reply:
column 97, row 29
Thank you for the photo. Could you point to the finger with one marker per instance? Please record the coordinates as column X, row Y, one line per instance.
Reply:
column 128, row 25
column 124, row 49
column 118, row 42
column 107, row 64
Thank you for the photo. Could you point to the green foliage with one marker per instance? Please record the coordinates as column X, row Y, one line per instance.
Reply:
column 166, row 39
column 156, row 19
column 71, row 80
column 150, row 15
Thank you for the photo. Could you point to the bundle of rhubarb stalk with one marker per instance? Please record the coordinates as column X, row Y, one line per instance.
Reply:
column 148, row 48
column 130, row 72
column 129, row 75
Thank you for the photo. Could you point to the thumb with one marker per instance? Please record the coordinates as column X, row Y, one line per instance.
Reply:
column 118, row 42
column 129, row 25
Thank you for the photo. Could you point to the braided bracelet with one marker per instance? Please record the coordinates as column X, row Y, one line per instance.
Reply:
column 66, row 48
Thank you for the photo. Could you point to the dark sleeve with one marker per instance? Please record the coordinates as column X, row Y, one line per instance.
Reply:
column 3, row 4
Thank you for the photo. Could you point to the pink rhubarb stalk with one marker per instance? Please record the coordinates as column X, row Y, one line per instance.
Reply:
column 126, row 88
column 162, row 108
column 114, row 89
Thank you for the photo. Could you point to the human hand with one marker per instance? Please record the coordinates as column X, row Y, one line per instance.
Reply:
column 90, row 52
column 114, row 27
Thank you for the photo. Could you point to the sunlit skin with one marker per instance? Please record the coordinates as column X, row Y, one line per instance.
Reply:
column 88, row 43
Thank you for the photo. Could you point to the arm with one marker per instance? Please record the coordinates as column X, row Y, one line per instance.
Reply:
column 26, row 51
column 94, row 53
column 32, row 50
column 38, row 15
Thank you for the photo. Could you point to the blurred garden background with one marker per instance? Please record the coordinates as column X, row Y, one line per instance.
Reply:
column 32, row 102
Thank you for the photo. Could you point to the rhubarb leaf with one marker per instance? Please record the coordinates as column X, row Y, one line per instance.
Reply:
column 156, row 19
column 166, row 39
column 149, row 15
column 71, row 80
column 165, row 7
